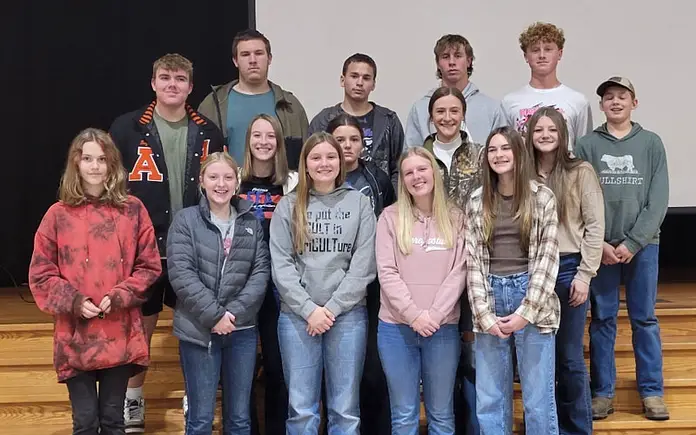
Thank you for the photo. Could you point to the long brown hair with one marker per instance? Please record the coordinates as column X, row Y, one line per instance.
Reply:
column 559, row 179
column 280, row 160
column 71, row 191
column 522, row 197
column 299, row 211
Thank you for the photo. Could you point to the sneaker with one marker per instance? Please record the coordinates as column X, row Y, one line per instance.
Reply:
column 601, row 407
column 134, row 415
column 655, row 408
column 184, row 405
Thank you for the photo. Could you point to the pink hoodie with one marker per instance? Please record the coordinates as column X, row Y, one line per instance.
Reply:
column 431, row 278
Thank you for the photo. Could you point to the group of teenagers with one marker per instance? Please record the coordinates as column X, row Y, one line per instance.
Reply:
column 378, row 267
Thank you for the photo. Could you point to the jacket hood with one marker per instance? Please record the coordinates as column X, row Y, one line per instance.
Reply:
column 469, row 90
column 336, row 193
column 603, row 131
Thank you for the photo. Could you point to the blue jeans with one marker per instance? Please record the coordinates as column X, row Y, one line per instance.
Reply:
column 234, row 357
column 407, row 358
column 573, row 387
column 640, row 278
column 535, row 362
column 340, row 353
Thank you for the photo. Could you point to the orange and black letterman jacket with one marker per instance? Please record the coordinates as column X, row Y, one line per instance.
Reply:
column 136, row 136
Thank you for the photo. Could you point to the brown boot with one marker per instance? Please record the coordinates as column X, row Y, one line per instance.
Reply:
column 601, row 407
column 655, row 408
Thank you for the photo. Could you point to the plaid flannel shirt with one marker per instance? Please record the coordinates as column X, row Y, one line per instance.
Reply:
column 540, row 306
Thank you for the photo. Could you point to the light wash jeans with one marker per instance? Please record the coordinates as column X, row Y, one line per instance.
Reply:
column 234, row 357
column 535, row 363
column 339, row 355
column 407, row 357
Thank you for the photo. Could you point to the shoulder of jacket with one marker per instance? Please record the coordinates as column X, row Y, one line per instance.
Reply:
column 129, row 119
column 284, row 94
column 384, row 111
column 189, row 214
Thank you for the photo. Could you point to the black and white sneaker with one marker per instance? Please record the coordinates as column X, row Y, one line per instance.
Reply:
column 134, row 415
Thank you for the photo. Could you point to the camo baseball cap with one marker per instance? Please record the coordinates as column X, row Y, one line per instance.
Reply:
column 616, row 81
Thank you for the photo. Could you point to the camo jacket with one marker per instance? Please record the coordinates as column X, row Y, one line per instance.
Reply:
column 464, row 175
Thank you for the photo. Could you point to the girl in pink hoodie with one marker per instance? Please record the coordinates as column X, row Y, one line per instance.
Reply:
column 420, row 263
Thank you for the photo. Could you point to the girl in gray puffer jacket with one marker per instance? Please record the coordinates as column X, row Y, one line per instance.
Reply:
column 219, row 267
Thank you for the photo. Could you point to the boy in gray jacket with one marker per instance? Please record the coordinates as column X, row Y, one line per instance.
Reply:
column 454, row 60
column 632, row 168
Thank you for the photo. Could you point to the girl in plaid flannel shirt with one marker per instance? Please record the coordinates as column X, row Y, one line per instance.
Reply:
column 512, row 262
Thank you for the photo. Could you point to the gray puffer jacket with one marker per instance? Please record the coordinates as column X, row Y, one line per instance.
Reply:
column 194, row 261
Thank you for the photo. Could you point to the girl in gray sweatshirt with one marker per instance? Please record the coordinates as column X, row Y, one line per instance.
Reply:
column 322, row 259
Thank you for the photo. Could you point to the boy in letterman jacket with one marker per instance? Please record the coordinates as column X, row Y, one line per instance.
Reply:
column 162, row 146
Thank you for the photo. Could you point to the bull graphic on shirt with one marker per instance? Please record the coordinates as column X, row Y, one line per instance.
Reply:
column 618, row 164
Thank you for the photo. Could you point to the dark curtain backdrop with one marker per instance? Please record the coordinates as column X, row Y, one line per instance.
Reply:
column 68, row 65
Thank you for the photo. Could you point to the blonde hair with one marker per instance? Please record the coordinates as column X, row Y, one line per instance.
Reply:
column 522, row 201
column 406, row 208
column 71, row 191
column 219, row 156
column 173, row 62
column 299, row 212
column 280, row 160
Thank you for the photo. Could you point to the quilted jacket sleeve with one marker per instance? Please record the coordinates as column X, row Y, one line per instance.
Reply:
column 191, row 293
column 246, row 305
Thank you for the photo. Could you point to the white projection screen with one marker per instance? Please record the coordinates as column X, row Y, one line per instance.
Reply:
column 652, row 43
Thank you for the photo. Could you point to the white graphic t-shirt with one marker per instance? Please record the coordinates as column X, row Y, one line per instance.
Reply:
column 520, row 105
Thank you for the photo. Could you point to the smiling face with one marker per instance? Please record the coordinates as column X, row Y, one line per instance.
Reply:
column 323, row 165
column 545, row 135
column 500, row 156
column 617, row 104
column 219, row 181
column 447, row 116
column 262, row 142
column 417, row 173
column 172, row 88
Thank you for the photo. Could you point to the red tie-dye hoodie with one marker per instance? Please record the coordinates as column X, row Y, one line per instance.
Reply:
column 88, row 252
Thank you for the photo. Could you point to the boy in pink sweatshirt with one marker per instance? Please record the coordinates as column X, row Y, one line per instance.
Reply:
column 420, row 263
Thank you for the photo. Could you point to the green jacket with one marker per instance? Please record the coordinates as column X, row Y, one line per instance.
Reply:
column 289, row 112
column 635, row 182
column 465, row 171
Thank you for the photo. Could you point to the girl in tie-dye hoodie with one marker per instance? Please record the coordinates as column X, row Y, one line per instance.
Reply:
column 94, row 256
